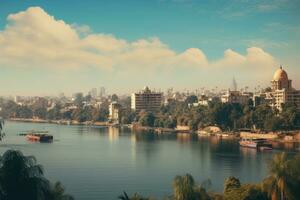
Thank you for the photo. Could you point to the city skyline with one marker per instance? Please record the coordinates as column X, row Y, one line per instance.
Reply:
column 125, row 47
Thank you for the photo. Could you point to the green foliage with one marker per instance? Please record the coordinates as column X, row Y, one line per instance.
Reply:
column 54, row 113
column 79, row 99
column 147, row 119
column 226, row 116
column 191, row 99
column 136, row 196
column 231, row 183
column 283, row 181
column 183, row 187
column 128, row 116
column 22, row 178
column 234, row 190
column 114, row 97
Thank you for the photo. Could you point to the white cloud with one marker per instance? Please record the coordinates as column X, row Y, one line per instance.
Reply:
column 33, row 38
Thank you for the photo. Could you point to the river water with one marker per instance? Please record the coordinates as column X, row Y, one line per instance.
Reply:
column 99, row 163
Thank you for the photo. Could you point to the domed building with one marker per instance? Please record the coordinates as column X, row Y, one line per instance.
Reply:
column 282, row 90
column 281, row 81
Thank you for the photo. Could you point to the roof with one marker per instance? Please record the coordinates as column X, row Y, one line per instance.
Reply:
column 280, row 75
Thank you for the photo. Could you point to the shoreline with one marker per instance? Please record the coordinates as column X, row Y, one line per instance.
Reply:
column 281, row 137
column 62, row 122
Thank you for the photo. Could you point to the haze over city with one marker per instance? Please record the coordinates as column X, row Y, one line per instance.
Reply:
column 47, row 48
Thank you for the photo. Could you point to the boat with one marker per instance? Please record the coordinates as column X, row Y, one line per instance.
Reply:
column 256, row 143
column 265, row 148
column 39, row 137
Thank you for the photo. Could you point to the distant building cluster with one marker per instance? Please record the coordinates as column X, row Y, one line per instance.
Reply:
column 280, row 93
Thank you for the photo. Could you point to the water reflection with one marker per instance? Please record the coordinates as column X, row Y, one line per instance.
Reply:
column 113, row 133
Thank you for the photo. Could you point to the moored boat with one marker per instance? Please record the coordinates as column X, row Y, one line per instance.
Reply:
column 256, row 143
column 39, row 137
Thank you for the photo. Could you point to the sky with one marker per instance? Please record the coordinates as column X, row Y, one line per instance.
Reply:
column 48, row 47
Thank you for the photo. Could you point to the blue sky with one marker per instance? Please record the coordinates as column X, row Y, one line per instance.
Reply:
column 210, row 26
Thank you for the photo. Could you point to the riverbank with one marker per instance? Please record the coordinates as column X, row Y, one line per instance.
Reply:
column 283, row 137
column 63, row 122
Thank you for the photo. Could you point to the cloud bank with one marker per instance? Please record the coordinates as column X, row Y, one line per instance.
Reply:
column 35, row 39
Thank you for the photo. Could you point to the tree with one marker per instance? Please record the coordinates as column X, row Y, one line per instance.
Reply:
column 114, row 97
column 191, row 99
column 147, row 119
column 282, row 178
column 231, row 183
column 183, row 187
column 22, row 178
column 273, row 123
column 58, row 192
column 40, row 112
column 136, row 196
column 79, row 99
column 1, row 127
column 24, row 112
column 234, row 190
column 261, row 114
column 54, row 113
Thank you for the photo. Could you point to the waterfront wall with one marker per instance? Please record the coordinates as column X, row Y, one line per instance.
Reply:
column 259, row 135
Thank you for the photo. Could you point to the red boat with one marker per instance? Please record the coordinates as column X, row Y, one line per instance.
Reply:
column 39, row 137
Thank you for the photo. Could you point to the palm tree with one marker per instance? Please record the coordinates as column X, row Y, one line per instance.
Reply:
column 124, row 196
column 22, row 178
column 183, row 187
column 277, row 184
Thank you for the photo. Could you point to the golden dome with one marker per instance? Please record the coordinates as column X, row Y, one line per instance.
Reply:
column 280, row 75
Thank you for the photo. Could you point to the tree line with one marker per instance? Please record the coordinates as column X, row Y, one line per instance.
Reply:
column 81, row 113
column 225, row 115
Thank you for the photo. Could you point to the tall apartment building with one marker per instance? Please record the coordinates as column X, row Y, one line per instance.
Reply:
column 282, row 91
column 115, row 111
column 146, row 100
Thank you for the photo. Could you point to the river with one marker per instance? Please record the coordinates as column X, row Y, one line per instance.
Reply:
column 99, row 163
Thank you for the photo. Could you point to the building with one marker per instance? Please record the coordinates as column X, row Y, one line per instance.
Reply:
column 282, row 91
column 115, row 110
column 236, row 97
column 146, row 100
column 93, row 93
column 101, row 92
column 259, row 99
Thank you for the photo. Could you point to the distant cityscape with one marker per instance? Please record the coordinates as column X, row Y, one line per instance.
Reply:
column 280, row 92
